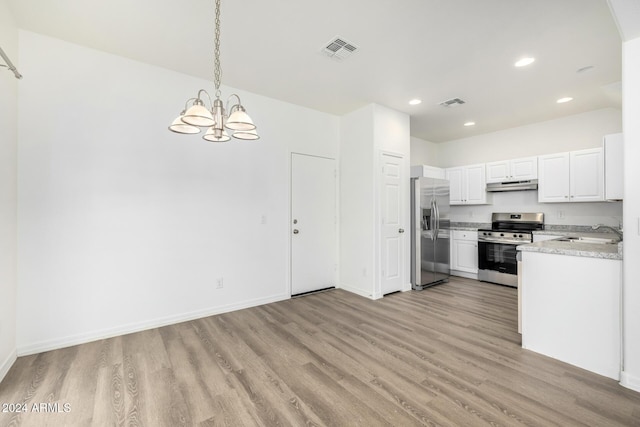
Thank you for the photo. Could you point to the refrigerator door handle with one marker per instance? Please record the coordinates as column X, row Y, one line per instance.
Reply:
column 435, row 203
column 432, row 219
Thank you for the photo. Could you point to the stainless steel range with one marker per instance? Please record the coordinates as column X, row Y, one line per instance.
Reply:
column 497, row 247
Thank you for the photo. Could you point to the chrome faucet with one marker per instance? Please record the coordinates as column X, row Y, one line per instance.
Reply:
column 598, row 226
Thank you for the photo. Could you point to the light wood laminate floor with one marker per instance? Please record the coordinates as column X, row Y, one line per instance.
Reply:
column 449, row 355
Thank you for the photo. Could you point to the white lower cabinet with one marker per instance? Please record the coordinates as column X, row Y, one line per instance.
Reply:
column 464, row 253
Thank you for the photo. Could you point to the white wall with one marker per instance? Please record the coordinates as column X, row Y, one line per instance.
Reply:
column 575, row 132
column 570, row 133
column 424, row 152
column 609, row 213
column 631, row 273
column 125, row 225
column 364, row 135
column 392, row 136
column 357, row 205
column 8, row 190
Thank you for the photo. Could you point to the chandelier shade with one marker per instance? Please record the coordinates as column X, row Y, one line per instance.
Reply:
column 215, row 116
column 178, row 126
column 247, row 135
column 198, row 115
column 212, row 136
column 240, row 120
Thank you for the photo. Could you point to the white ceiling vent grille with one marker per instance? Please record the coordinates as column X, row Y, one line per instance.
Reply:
column 338, row 48
column 453, row 102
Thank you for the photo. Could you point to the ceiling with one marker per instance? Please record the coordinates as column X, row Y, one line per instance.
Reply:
column 433, row 50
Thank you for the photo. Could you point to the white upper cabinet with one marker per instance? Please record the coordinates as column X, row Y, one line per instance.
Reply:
column 427, row 172
column 467, row 185
column 577, row 176
column 476, row 185
column 553, row 178
column 456, row 178
column 613, row 167
column 587, row 175
column 512, row 170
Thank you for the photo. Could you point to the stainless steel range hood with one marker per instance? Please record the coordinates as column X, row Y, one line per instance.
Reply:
column 513, row 185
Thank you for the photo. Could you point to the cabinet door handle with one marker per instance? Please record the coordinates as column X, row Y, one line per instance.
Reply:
column 401, row 230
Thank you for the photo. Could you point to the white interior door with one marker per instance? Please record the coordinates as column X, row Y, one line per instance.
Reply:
column 392, row 233
column 313, row 223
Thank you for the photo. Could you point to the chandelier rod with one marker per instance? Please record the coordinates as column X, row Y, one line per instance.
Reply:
column 217, row 77
column 216, row 118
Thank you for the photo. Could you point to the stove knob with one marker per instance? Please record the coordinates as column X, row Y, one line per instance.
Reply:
column 501, row 234
column 515, row 236
column 520, row 236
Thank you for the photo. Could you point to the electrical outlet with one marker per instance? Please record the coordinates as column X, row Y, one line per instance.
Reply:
column 220, row 283
column 560, row 214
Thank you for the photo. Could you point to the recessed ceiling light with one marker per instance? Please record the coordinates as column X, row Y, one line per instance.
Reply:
column 415, row 102
column 565, row 99
column 524, row 62
column 470, row 124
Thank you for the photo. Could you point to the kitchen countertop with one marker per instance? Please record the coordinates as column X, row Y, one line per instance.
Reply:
column 579, row 249
column 469, row 226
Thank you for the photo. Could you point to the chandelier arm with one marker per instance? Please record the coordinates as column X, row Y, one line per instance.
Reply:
column 186, row 104
column 233, row 106
column 208, row 96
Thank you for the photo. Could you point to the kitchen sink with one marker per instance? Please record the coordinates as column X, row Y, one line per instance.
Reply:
column 596, row 240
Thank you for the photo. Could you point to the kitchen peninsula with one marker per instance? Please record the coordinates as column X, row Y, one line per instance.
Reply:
column 571, row 299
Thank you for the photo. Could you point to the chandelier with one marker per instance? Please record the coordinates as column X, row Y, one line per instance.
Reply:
column 216, row 118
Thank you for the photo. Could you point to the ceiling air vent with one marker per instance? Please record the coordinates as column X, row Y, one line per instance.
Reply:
column 338, row 48
column 453, row 102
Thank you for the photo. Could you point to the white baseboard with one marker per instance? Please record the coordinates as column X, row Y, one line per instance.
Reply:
column 630, row 381
column 7, row 363
column 54, row 344
column 357, row 291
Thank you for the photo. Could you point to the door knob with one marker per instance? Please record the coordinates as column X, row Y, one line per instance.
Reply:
column 401, row 230
column 295, row 231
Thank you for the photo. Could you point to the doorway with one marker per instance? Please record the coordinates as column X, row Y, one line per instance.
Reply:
column 313, row 226
column 392, row 229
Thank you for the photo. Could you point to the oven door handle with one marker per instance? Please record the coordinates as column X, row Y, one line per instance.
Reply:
column 503, row 242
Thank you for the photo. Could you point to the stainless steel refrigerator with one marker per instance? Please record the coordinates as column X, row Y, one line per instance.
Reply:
column 430, row 234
